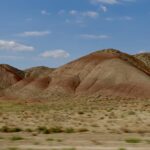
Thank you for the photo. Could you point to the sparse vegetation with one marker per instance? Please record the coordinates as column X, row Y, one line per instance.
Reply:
column 122, row 149
column 133, row 140
column 131, row 113
column 56, row 129
column 69, row 149
column 7, row 129
column 83, row 130
column 16, row 138
column 43, row 130
column 69, row 130
column 12, row 148
column 50, row 139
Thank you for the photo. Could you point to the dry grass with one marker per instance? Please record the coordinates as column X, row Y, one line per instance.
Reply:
column 76, row 115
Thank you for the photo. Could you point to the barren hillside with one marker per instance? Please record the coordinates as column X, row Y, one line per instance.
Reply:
column 38, row 72
column 144, row 57
column 9, row 76
column 101, row 73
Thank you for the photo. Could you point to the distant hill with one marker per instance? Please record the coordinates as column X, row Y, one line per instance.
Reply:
column 38, row 72
column 144, row 57
column 108, row 72
column 9, row 76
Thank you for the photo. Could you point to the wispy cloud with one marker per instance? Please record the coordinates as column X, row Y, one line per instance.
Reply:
column 110, row 2
column 82, row 14
column 91, row 14
column 14, row 46
column 35, row 33
column 58, row 53
column 144, row 51
column 45, row 12
column 124, row 18
column 73, row 12
column 105, row 1
column 103, row 8
column 94, row 37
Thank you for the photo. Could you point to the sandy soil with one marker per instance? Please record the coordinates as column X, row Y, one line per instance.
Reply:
column 70, row 124
column 74, row 141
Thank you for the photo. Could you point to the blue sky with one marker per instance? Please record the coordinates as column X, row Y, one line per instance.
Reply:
column 54, row 32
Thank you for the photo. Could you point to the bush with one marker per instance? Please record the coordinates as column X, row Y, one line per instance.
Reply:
column 83, row 130
column 133, row 140
column 7, row 129
column 12, row 148
column 16, row 129
column 43, row 130
column 28, row 130
column 121, row 149
column 69, row 130
column 56, row 130
column 16, row 138
column 80, row 112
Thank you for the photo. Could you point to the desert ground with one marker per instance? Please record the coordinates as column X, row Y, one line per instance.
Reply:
column 75, row 124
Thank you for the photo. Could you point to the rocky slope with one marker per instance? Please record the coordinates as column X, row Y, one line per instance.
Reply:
column 101, row 73
column 38, row 72
column 9, row 76
column 144, row 57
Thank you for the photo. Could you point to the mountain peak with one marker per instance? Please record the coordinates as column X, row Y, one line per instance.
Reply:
column 109, row 50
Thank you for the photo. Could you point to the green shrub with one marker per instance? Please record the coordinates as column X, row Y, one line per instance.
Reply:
column 56, row 130
column 7, row 129
column 131, row 113
column 83, row 130
column 28, row 130
column 49, row 139
column 43, row 130
column 121, row 149
column 16, row 129
column 69, row 130
column 12, row 148
column 80, row 112
column 133, row 140
column 16, row 138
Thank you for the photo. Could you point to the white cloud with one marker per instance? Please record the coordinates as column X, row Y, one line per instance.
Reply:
column 35, row 33
column 44, row 12
column 91, row 14
column 105, row 1
column 109, row 19
column 58, row 53
column 94, row 37
column 14, row 46
column 73, row 12
column 103, row 8
column 124, row 18
column 79, row 14
column 111, row 2
column 143, row 51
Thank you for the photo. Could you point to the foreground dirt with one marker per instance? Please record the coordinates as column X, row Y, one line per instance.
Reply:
column 74, row 124
column 74, row 141
column 95, row 115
